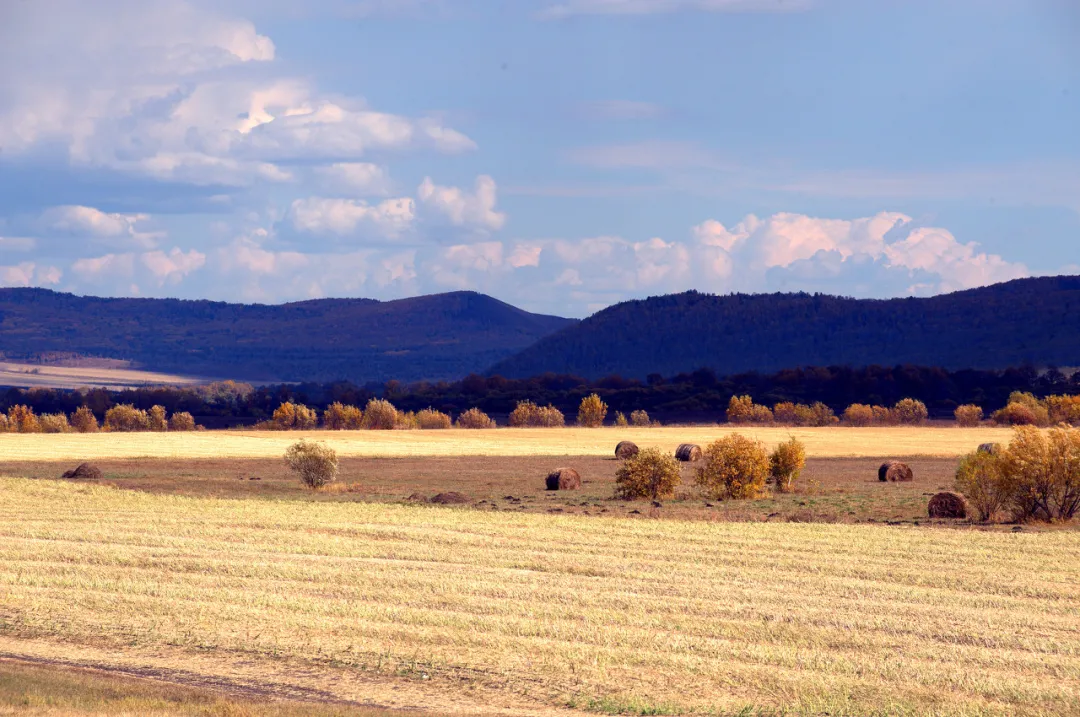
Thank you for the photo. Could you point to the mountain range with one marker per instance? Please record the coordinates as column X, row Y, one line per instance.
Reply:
column 446, row 336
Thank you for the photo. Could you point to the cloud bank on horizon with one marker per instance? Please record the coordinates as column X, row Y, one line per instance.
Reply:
column 562, row 156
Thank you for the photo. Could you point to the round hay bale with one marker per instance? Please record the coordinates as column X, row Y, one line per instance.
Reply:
column 991, row 448
column 85, row 471
column 688, row 453
column 947, row 505
column 895, row 472
column 564, row 479
column 626, row 449
column 451, row 498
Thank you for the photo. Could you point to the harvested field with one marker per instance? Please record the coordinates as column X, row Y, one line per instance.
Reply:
column 447, row 608
column 820, row 442
column 53, row 376
column 842, row 490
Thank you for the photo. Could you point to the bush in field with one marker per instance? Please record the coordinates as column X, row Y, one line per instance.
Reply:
column 291, row 416
column 968, row 415
column 1041, row 473
column 21, row 419
column 784, row 413
column 822, row 415
column 155, row 419
column 640, row 418
column 620, row 419
column 4, row 427
column 740, row 409
column 182, row 421
column 883, row 416
column 652, row 473
column 84, row 420
column 1063, row 409
column 528, row 414
column 430, row 419
column 734, row 467
column 475, row 418
column 1018, row 414
column 761, row 415
column 980, row 479
column 54, row 423
column 406, row 421
column 858, row 415
column 786, row 464
column 125, row 418
column 910, row 412
column 339, row 417
column 592, row 412
column 315, row 463
column 380, row 415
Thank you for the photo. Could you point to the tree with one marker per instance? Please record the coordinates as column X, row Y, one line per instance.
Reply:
column 592, row 412
column 650, row 474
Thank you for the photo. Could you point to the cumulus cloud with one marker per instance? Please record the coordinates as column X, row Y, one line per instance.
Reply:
column 113, row 229
column 106, row 267
column 355, row 178
column 162, row 89
column 171, row 268
column 461, row 208
column 319, row 215
column 29, row 273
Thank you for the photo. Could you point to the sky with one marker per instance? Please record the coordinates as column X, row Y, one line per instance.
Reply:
column 560, row 155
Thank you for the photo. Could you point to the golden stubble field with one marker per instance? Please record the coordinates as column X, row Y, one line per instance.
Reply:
column 820, row 442
column 451, row 610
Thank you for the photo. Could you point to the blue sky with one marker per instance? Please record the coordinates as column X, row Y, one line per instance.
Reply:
column 561, row 155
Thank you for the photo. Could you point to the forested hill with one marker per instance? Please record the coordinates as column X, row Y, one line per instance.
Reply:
column 442, row 336
column 1034, row 321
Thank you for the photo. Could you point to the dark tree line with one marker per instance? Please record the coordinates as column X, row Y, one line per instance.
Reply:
column 697, row 396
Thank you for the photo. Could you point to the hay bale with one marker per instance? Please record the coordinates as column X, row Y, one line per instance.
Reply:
column 688, row 453
column 991, row 448
column 564, row 479
column 451, row 498
column 626, row 449
column 947, row 505
column 895, row 472
column 85, row 471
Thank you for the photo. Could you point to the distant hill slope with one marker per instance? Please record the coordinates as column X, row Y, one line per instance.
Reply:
column 442, row 336
column 1028, row 320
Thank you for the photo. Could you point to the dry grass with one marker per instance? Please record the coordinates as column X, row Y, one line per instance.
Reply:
column 610, row 615
column 820, row 442
column 46, row 376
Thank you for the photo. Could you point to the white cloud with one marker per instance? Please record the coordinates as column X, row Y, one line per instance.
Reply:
column 651, row 7
column 355, row 178
column 29, row 274
column 172, row 267
column 113, row 229
column 462, row 209
column 320, row 215
column 104, row 268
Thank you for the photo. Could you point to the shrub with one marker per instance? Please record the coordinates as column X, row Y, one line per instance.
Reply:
column 910, row 412
column 155, row 419
column 882, row 416
column 125, row 418
column 339, row 417
column 84, row 420
column 430, row 419
column 786, row 464
column 858, row 414
column 822, row 415
column 734, row 467
column 54, row 423
column 406, row 421
column 5, row 427
column 21, row 419
column 650, row 474
column 182, row 421
column 1063, row 409
column 620, row 419
column 1041, row 473
column 315, row 463
column 528, row 414
column 761, row 415
column 640, row 418
column 592, row 412
column 380, row 415
column 1018, row 414
column 740, row 409
column 475, row 418
column 968, row 415
column 784, row 413
column 980, row 479
column 291, row 416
